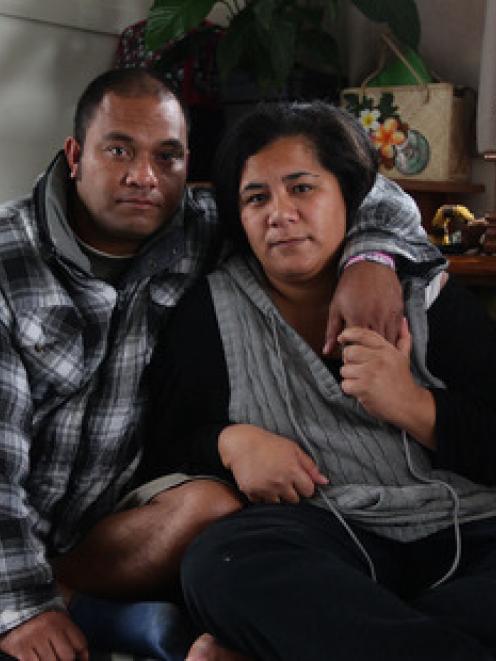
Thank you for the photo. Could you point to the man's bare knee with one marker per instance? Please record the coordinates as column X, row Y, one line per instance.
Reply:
column 199, row 501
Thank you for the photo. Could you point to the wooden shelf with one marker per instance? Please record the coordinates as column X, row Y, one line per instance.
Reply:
column 421, row 186
column 479, row 270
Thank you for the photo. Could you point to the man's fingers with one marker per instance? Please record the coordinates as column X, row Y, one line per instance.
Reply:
column 58, row 648
column 393, row 327
column 404, row 342
column 335, row 325
column 361, row 336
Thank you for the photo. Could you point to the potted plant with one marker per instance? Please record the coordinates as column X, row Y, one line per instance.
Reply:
column 270, row 39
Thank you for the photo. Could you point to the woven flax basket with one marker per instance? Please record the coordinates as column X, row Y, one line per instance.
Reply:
column 420, row 130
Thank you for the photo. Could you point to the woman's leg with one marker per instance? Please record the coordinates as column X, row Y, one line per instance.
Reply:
column 468, row 601
column 287, row 583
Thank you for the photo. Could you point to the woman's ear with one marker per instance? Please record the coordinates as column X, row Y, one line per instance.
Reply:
column 72, row 150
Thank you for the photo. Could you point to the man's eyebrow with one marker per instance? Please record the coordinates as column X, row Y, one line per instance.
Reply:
column 124, row 137
column 117, row 135
column 172, row 143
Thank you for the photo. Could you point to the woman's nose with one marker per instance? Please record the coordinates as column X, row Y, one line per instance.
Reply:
column 282, row 211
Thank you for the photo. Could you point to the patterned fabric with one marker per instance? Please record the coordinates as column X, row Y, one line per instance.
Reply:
column 389, row 221
column 72, row 354
column 380, row 481
column 188, row 64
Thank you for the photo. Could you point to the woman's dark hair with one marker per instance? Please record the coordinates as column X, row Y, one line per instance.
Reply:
column 132, row 81
column 341, row 146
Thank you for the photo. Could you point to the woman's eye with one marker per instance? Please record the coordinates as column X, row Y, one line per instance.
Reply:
column 302, row 188
column 256, row 198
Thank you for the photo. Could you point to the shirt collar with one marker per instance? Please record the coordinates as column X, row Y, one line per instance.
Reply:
column 162, row 250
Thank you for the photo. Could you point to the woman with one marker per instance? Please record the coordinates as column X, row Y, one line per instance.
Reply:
column 393, row 444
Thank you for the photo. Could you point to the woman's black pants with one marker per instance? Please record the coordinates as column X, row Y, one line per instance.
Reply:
column 287, row 582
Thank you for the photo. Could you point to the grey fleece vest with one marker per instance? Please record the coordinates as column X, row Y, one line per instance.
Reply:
column 379, row 478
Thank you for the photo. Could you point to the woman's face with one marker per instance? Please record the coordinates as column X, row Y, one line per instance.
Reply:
column 292, row 210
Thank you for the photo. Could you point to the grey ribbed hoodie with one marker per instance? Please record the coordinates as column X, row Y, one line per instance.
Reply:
column 379, row 478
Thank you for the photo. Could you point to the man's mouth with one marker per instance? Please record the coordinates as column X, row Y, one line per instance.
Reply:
column 141, row 202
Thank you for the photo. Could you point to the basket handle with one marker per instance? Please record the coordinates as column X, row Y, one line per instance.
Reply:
column 388, row 41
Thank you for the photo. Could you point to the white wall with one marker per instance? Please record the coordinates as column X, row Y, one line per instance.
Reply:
column 49, row 51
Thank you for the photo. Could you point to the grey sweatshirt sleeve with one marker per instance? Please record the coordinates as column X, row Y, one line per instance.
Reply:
column 389, row 220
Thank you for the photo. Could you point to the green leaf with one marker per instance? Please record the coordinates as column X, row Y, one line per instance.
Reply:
column 331, row 12
column 263, row 10
column 401, row 16
column 172, row 19
column 386, row 106
column 235, row 42
column 352, row 103
column 306, row 16
column 282, row 48
column 318, row 50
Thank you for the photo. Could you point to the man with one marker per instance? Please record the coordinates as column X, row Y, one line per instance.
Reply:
column 89, row 266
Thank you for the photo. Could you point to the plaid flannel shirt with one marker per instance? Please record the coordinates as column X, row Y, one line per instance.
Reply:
column 72, row 354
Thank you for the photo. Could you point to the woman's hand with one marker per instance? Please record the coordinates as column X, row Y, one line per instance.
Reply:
column 378, row 375
column 268, row 468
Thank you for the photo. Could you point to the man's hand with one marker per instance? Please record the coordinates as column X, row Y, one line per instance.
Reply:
column 378, row 374
column 268, row 468
column 367, row 295
column 50, row 636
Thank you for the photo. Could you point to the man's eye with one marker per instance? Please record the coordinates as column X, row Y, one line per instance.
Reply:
column 118, row 151
column 167, row 156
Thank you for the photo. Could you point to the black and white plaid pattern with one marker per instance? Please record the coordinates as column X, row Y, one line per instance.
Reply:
column 72, row 354
column 389, row 221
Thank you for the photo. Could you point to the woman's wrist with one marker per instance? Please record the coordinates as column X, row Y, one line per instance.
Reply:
column 420, row 418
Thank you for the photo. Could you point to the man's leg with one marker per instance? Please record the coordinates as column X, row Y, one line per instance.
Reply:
column 468, row 601
column 136, row 553
column 287, row 583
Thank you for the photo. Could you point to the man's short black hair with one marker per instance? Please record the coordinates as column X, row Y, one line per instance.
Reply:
column 124, row 82
column 341, row 145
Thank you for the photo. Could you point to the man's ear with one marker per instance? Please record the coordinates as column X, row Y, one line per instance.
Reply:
column 72, row 150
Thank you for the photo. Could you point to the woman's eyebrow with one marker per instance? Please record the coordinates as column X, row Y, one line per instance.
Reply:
column 253, row 185
column 297, row 175
column 292, row 176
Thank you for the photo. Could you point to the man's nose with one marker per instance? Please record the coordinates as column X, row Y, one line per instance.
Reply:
column 282, row 210
column 141, row 172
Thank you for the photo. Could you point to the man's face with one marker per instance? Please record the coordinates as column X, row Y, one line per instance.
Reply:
column 130, row 174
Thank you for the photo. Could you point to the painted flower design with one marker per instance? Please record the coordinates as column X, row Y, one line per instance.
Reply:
column 388, row 135
column 369, row 119
column 398, row 145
